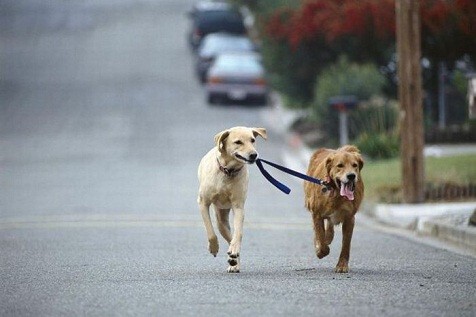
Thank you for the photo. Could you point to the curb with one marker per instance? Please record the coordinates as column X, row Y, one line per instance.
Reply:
column 442, row 228
column 410, row 216
column 444, row 221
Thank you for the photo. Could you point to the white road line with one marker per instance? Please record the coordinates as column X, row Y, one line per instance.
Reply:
column 131, row 221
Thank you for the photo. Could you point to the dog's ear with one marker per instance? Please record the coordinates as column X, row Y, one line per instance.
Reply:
column 260, row 131
column 220, row 138
column 361, row 162
column 329, row 161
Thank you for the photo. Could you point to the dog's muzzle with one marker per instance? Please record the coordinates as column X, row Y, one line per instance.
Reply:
column 250, row 160
column 347, row 188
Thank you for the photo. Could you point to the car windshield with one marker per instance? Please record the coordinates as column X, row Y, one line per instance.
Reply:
column 238, row 63
column 225, row 20
column 218, row 15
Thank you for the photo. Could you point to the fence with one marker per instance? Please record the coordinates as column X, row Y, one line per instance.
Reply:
column 433, row 193
column 451, row 135
column 450, row 192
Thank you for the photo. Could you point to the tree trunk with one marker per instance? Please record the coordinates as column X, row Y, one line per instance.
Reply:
column 410, row 96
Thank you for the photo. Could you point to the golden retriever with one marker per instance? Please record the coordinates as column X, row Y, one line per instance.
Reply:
column 341, row 168
column 223, row 178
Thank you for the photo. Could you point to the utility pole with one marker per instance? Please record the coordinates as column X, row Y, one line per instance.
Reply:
column 442, row 95
column 410, row 97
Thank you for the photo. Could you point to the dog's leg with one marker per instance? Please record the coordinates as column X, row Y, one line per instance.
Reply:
column 223, row 223
column 347, row 230
column 319, row 236
column 212, row 237
column 235, row 243
column 329, row 231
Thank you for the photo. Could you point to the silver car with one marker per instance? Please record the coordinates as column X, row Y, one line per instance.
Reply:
column 216, row 44
column 238, row 77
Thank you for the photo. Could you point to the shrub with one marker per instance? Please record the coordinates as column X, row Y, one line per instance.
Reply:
column 378, row 146
column 344, row 78
column 375, row 130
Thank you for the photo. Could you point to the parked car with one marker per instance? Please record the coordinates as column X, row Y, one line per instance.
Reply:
column 213, row 17
column 218, row 43
column 237, row 77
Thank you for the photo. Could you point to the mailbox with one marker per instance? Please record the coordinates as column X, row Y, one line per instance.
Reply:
column 343, row 103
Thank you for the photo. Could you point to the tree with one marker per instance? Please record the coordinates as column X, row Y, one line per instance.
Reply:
column 448, row 29
column 293, row 68
column 323, row 30
column 365, row 32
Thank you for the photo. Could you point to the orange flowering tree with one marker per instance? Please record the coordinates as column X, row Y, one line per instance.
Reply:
column 300, row 42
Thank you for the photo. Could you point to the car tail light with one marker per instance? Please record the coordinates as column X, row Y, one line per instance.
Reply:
column 215, row 80
column 260, row 81
column 197, row 32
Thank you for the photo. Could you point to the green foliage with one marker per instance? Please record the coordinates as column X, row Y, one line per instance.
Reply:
column 344, row 78
column 374, row 127
column 460, row 82
column 378, row 146
column 265, row 6
column 374, row 116
column 292, row 72
column 292, row 69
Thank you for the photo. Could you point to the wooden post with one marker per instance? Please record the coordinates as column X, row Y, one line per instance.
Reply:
column 410, row 97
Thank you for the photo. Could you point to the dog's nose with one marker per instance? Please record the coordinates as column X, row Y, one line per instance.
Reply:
column 351, row 176
column 253, row 157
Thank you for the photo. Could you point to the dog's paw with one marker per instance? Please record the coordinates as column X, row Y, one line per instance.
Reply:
column 322, row 251
column 234, row 262
column 233, row 269
column 213, row 246
column 233, row 251
column 342, row 267
column 233, row 259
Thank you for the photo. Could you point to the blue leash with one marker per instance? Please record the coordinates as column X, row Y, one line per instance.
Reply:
column 281, row 186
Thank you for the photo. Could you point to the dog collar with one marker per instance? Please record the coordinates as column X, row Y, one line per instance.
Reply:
column 230, row 172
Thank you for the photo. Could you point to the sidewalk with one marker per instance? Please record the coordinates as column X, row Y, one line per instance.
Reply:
column 447, row 222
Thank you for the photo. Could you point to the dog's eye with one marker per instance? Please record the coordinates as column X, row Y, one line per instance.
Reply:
column 340, row 165
column 253, row 140
column 238, row 142
column 354, row 165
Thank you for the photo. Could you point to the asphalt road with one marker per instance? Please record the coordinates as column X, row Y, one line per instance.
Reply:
column 102, row 126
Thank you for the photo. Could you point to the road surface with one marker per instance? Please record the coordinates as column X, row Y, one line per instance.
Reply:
column 102, row 126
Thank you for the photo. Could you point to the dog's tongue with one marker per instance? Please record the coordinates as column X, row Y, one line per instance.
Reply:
column 346, row 192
